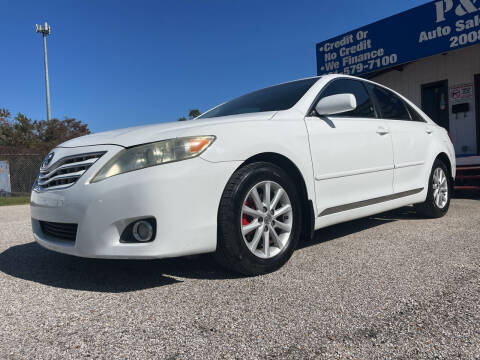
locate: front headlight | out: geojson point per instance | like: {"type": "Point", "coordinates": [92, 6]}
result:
{"type": "Point", "coordinates": [162, 152]}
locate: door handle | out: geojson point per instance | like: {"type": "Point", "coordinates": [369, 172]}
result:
{"type": "Point", "coordinates": [428, 130]}
{"type": "Point", "coordinates": [382, 130]}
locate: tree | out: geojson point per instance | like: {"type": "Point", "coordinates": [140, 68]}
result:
{"type": "Point", "coordinates": [4, 115]}
{"type": "Point", "coordinates": [192, 114]}
{"type": "Point", "coordinates": [60, 130]}
{"type": "Point", "coordinates": [6, 131]}
{"type": "Point", "coordinates": [22, 133]}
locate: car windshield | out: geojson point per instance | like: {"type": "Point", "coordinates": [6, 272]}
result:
{"type": "Point", "coordinates": [274, 98]}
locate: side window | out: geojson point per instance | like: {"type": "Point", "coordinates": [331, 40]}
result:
{"type": "Point", "coordinates": [414, 115]}
{"type": "Point", "coordinates": [391, 106]}
{"type": "Point", "coordinates": [364, 108]}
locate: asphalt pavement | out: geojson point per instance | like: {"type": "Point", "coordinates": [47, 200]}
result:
{"type": "Point", "coordinates": [389, 286]}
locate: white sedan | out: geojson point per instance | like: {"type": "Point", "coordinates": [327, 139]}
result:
{"type": "Point", "coordinates": [247, 179]}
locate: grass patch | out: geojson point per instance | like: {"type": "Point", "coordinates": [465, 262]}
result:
{"type": "Point", "coordinates": [14, 200]}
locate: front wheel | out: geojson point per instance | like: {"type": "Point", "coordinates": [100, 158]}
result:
{"type": "Point", "coordinates": [439, 190]}
{"type": "Point", "coordinates": [259, 220]}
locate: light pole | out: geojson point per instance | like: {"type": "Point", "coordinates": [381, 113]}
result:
{"type": "Point", "coordinates": [45, 30]}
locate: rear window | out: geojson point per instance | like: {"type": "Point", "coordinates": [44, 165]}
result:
{"type": "Point", "coordinates": [414, 115]}
{"type": "Point", "coordinates": [391, 106]}
{"type": "Point", "coordinates": [274, 98]}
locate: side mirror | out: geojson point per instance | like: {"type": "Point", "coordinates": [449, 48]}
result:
{"type": "Point", "coordinates": [336, 104]}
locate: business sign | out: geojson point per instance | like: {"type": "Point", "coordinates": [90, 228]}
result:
{"type": "Point", "coordinates": [433, 28]}
{"type": "Point", "coordinates": [461, 92]}
{"type": "Point", "coordinates": [4, 177]}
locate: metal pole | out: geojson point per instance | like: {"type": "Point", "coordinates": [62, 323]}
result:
{"type": "Point", "coordinates": [45, 30]}
{"type": "Point", "coordinates": [47, 86]}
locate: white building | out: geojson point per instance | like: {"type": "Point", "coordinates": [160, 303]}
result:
{"type": "Point", "coordinates": [430, 54]}
{"type": "Point", "coordinates": [447, 88]}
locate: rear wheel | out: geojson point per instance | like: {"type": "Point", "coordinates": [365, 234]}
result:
{"type": "Point", "coordinates": [439, 190]}
{"type": "Point", "coordinates": [259, 220]}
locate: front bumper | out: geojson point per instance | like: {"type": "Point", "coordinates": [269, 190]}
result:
{"type": "Point", "coordinates": [183, 197]}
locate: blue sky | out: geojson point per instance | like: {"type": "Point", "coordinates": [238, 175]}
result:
{"type": "Point", "coordinates": [121, 63]}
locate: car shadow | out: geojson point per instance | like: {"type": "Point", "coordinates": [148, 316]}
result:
{"type": "Point", "coordinates": [34, 263]}
{"type": "Point", "coordinates": [343, 229]}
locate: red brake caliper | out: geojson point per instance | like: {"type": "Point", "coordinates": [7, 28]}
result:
{"type": "Point", "coordinates": [245, 218]}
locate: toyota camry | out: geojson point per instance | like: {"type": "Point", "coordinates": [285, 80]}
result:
{"type": "Point", "coordinates": [247, 179]}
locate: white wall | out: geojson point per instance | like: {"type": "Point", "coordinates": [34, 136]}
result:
{"type": "Point", "coordinates": [458, 67]}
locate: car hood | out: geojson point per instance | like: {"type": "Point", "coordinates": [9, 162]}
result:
{"type": "Point", "coordinates": [149, 133]}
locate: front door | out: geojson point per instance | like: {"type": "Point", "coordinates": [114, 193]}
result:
{"type": "Point", "coordinates": [352, 153]}
{"type": "Point", "coordinates": [435, 102]}
{"type": "Point", "coordinates": [477, 109]}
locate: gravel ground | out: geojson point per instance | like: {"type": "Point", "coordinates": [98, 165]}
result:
{"type": "Point", "coordinates": [390, 286]}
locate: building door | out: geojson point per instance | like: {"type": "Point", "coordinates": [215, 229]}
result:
{"type": "Point", "coordinates": [477, 109]}
{"type": "Point", "coordinates": [435, 102]}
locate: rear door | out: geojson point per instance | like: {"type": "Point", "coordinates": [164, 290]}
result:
{"type": "Point", "coordinates": [351, 152]}
{"type": "Point", "coordinates": [411, 138]}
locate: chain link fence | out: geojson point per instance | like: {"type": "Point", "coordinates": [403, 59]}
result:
{"type": "Point", "coordinates": [23, 172]}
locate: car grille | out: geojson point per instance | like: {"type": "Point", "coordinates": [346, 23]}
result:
{"type": "Point", "coordinates": [59, 230]}
{"type": "Point", "coordinates": [65, 172]}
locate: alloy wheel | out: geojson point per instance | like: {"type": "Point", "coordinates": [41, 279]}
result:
{"type": "Point", "coordinates": [440, 188]}
{"type": "Point", "coordinates": [266, 219]}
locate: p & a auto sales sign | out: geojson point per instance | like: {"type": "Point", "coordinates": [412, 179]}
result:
{"type": "Point", "coordinates": [433, 28]}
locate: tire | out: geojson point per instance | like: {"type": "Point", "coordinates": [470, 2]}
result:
{"type": "Point", "coordinates": [435, 207]}
{"type": "Point", "coordinates": [251, 252]}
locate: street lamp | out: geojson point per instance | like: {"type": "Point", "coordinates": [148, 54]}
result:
{"type": "Point", "coordinates": [45, 30]}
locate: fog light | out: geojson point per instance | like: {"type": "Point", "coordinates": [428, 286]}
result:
{"type": "Point", "coordinates": [142, 231]}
